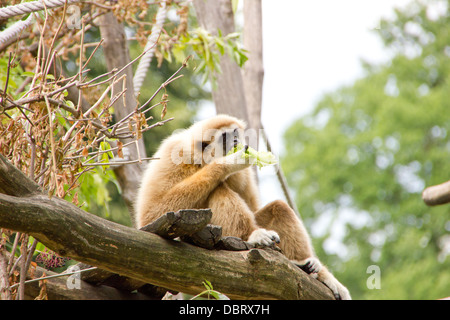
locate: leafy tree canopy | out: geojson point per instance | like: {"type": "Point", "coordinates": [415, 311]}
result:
{"type": "Point", "coordinates": [361, 159]}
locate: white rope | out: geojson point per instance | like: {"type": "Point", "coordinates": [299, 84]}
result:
{"type": "Point", "coordinates": [28, 7]}
{"type": "Point", "coordinates": [146, 59]}
{"type": "Point", "coordinates": [15, 29]}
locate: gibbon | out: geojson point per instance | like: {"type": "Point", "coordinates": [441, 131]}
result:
{"type": "Point", "coordinates": [195, 172]}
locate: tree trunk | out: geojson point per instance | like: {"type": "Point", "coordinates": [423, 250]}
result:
{"type": "Point", "coordinates": [229, 97]}
{"type": "Point", "coordinates": [115, 49]}
{"type": "Point", "coordinates": [253, 71]}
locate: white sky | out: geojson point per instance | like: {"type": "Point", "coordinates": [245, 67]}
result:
{"type": "Point", "coordinates": [312, 47]}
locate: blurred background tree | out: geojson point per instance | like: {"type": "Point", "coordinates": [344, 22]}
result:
{"type": "Point", "coordinates": [359, 162]}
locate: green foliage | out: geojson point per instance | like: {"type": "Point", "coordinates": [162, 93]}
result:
{"type": "Point", "coordinates": [258, 158]}
{"type": "Point", "coordinates": [15, 78]}
{"type": "Point", "coordinates": [361, 159]}
{"type": "Point", "coordinates": [208, 49]}
{"type": "Point", "coordinates": [210, 293]}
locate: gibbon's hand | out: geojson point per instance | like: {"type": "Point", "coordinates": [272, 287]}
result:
{"type": "Point", "coordinates": [310, 265]}
{"type": "Point", "coordinates": [264, 237]}
{"type": "Point", "coordinates": [236, 161]}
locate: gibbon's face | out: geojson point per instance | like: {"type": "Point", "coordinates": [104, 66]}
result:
{"type": "Point", "coordinates": [216, 143]}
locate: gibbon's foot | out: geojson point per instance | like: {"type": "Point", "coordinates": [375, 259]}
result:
{"type": "Point", "coordinates": [339, 291]}
{"type": "Point", "coordinates": [310, 265]}
{"type": "Point", "coordinates": [263, 237]}
{"type": "Point", "coordinates": [315, 268]}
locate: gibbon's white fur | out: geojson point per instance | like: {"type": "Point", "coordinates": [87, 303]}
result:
{"type": "Point", "coordinates": [195, 172]}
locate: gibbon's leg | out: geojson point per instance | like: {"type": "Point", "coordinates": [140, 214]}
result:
{"type": "Point", "coordinates": [278, 216]}
{"type": "Point", "coordinates": [295, 243]}
{"type": "Point", "coordinates": [234, 216]}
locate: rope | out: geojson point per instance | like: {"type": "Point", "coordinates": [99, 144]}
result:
{"type": "Point", "coordinates": [28, 7]}
{"type": "Point", "coordinates": [15, 29]}
{"type": "Point", "coordinates": [146, 59]}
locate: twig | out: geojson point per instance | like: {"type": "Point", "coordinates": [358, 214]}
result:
{"type": "Point", "coordinates": [172, 78]}
{"type": "Point", "coordinates": [13, 252]}
{"type": "Point", "coordinates": [23, 270]}
{"type": "Point", "coordinates": [30, 254]}
{"type": "Point", "coordinates": [55, 276]}
{"type": "Point", "coordinates": [33, 155]}
{"type": "Point", "coordinates": [281, 177]}
{"type": "Point", "coordinates": [118, 162]}
{"type": "Point", "coordinates": [7, 80]}
{"type": "Point", "coordinates": [49, 61]}
{"type": "Point", "coordinates": [14, 266]}
{"type": "Point", "coordinates": [160, 123]}
{"type": "Point", "coordinates": [80, 91]}
{"type": "Point", "coordinates": [52, 144]}
{"type": "Point", "coordinates": [92, 54]}
{"type": "Point", "coordinates": [115, 72]}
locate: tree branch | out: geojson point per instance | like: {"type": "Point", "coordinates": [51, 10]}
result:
{"type": "Point", "coordinates": [435, 195]}
{"type": "Point", "coordinates": [14, 182]}
{"type": "Point", "coordinates": [57, 290]}
{"type": "Point", "coordinates": [147, 257]}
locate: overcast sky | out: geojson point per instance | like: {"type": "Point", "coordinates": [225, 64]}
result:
{"type": "Point", "coordinates": [313, 47]}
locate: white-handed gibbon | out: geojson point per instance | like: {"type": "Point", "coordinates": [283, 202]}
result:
{"type": "Point", "coordinates": [195, 172]}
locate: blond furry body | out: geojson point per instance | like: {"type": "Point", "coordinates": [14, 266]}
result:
{"type": "Point", "coordinates": [191, 175]}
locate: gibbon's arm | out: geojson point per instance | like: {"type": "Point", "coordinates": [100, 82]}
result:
{"type": "Point", "coordinates": [251, 194]}
{"type": "Point", "coordinates": [195, 189]}
{"type": "Point", "coordinates": [244, 183]}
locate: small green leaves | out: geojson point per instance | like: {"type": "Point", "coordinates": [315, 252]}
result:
{"type": "Point", "coordinates": [210, 292]}
{"type": "Point", "coordinates": [262, 158]}
{"type": "Point", "coordinates": [208, 49]}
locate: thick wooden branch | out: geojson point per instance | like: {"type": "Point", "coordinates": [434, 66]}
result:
{"type": "Point", "coordinates": [72, 232]}
{"type": "Point", "coordinates": [435, 195]}
{"type": "Point", "coordinates": [14, 182]}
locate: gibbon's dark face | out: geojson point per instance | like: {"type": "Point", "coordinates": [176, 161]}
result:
{"type": "Point", "coordinates": [219, 144]}
{"type": "Point", "coordinates": [230, 139]}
